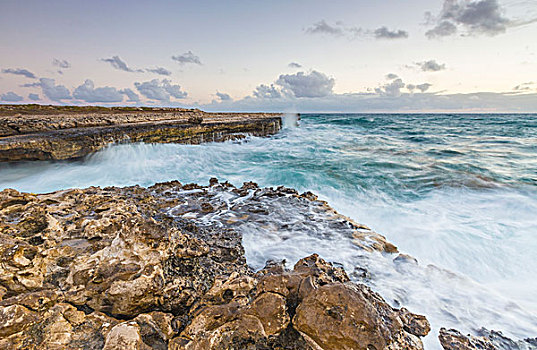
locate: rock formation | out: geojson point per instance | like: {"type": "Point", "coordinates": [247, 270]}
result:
{"type": "Point", "coordinates": [61, 135]}
{"type": "Point", "coordinates": [122, 268]}
{"type": "Point", "coordinates": [452, 339]}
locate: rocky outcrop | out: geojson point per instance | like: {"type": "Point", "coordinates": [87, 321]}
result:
{"type": "Point", "coordinates": [68, 136]}
{"type": "Point", "coordinates": [121, 268]}
{"type": "Point", "coordinates": [451, 339]}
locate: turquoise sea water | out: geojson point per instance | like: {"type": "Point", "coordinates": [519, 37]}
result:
{"type": "Point", "coordinates": [458, 192]}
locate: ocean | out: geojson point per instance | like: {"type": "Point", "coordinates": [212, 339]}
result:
{"type": "Point", "coordinates": [458, 192]}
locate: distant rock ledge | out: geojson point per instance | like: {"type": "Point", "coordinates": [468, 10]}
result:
{"type": "Point", "coordinates": [68, 132]}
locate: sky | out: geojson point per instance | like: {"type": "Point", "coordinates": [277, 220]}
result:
{"type": "Point", "coordinates": [278, 55]}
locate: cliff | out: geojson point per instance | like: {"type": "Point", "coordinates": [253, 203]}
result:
{"type": "Point", "coordinates": [62, 133]}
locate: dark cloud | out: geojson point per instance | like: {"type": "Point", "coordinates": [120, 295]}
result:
{"type": "Point", "coordinates": [423, 87]}
{"type": "Point", "coordinates": [19, 71]}
{"type": "Point", "coordinates": [385, 33]}
{"type": "Point", "coordinates": [88, 93]}
{"type": "Point", "coordinates": [52, 91]}
{"type": "Point", "coordinates": [160, 90]}
{"type": "Point", "coordinates": [34, 97]}
{"type": "Point", "coordinates": [61, 63]}
{"type": "Point", "coordinates": [265, 91]}
{"type": "Point", "coordinates": [391, 76]}
{"type": "Point", "coordinates": [430, 66]}
{"type": "Point", "coordinates": [117, 63]}
{"type": "Point", "coordinates": [160, 71]}
{"type": "Point", "coordinates": [322, 27]}
{"type": "Point", "coordinates": [187, 57]}
{"type": "Point", "coordinates": [11, 97]}
{"type": "Point", "coordinates": [295, 65]}
{"type": "Point", "coordinates": [133, 96]}
{"type": "Point", "coordinates": [475, 17]}
{"type": "Point", "coordinates": [313, 84]}
{"type": "Point", "coordinates": [223, 97]}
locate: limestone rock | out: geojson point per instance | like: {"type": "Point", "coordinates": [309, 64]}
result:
{"type": "Point", "coordinates": [162, 268]}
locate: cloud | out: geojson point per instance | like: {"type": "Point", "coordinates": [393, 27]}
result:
{"type": "Point", "coordinates": [475, 17]}
{"type": "Point", "coordinates": [295, 65]}
{"type": "Point", "coordinates": [444, 28]}
{"type": "Point", "coordinates": [133, 96]}
{"type": "Point", "coordinates": [10, 97]}
{"type": "Point", "coordinates": [160, 90]}
{"type": "Point", "coordinates": [88, 93]}
{"type": "Point", "coordinates": [392, 89]}
{"type": "Point", "coordinates": [430, 66]}
{"type": "Point", "coordinates": [117, 63]}
{"type": "Point", "coordinates": [267, 92]}
{"type": "Point", "coordinates": [372, 102]}
{"type": "Point", "coordinates": [524, 86]}
{"type": "Point", "coordinates": [159, 70]}
{"type": "Point", "coordinates": [385, 33]}
{"type": "Point", "coordinates": [322, 27]}
{"type": "Point", "coordinates": [423, 87]}
{"type": "Point", "coordinates": [313, 84]}
{"type": "Point", "coordinates": [187, 57]}
{"type": "Point", "coordinates": [352, 32]}
{"type": "Point", "coordinates": [19, 71]}
{"type": "Point", "coordinates": [61, 63]}
{"type": "Point", "coordinates": [223, 97]}
{"type": "Point", "coordinates": [51, 90]}
{"type": "Point", "coordinates": [34, 97]}
{"type": "Point", "coordinates": [391, 76]}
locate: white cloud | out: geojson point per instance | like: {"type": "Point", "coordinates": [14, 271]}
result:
{"type": "Point", "coordinates": [313, 84]}
{"type": "Point", "coordinates": [160, 90]}
{"type": "Point", "coordinates": [88, 93]}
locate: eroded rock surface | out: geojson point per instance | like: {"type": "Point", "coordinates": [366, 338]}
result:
{"type": "Point", "coordinates": [159, 268]}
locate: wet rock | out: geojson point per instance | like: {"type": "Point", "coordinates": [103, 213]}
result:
{"type": "Point", "coordinates": [38, 136]}
{"type": "Point", "coordinates": [451, 339]}
{"type": "Point", "coordinates": [311, 307]}
{"type": "Point", "coordinates": [131, 268]}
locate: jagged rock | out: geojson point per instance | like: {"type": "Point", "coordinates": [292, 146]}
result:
{"type": "Point", "coordinates": [136, 268]}
{"type": "Point", "coordinates": [314, 306]}
{"type": "Point", "coordinates": [452, 339]}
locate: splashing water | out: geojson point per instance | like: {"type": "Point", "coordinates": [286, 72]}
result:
{"type": "Point", "coordinates": [458, 192]}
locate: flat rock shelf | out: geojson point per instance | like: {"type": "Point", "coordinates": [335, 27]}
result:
{"type": "Point", "coordinates": [69, 133]}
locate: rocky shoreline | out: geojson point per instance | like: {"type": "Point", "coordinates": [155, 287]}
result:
{"type": "Point", "coordinates": [141, 268]}
{"type": "Point", "coordinates": [55, 134]}
{"type": "Point", "coordinates": [164, 267]}
{"type": "Point", "coordinates": [112, 268]}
